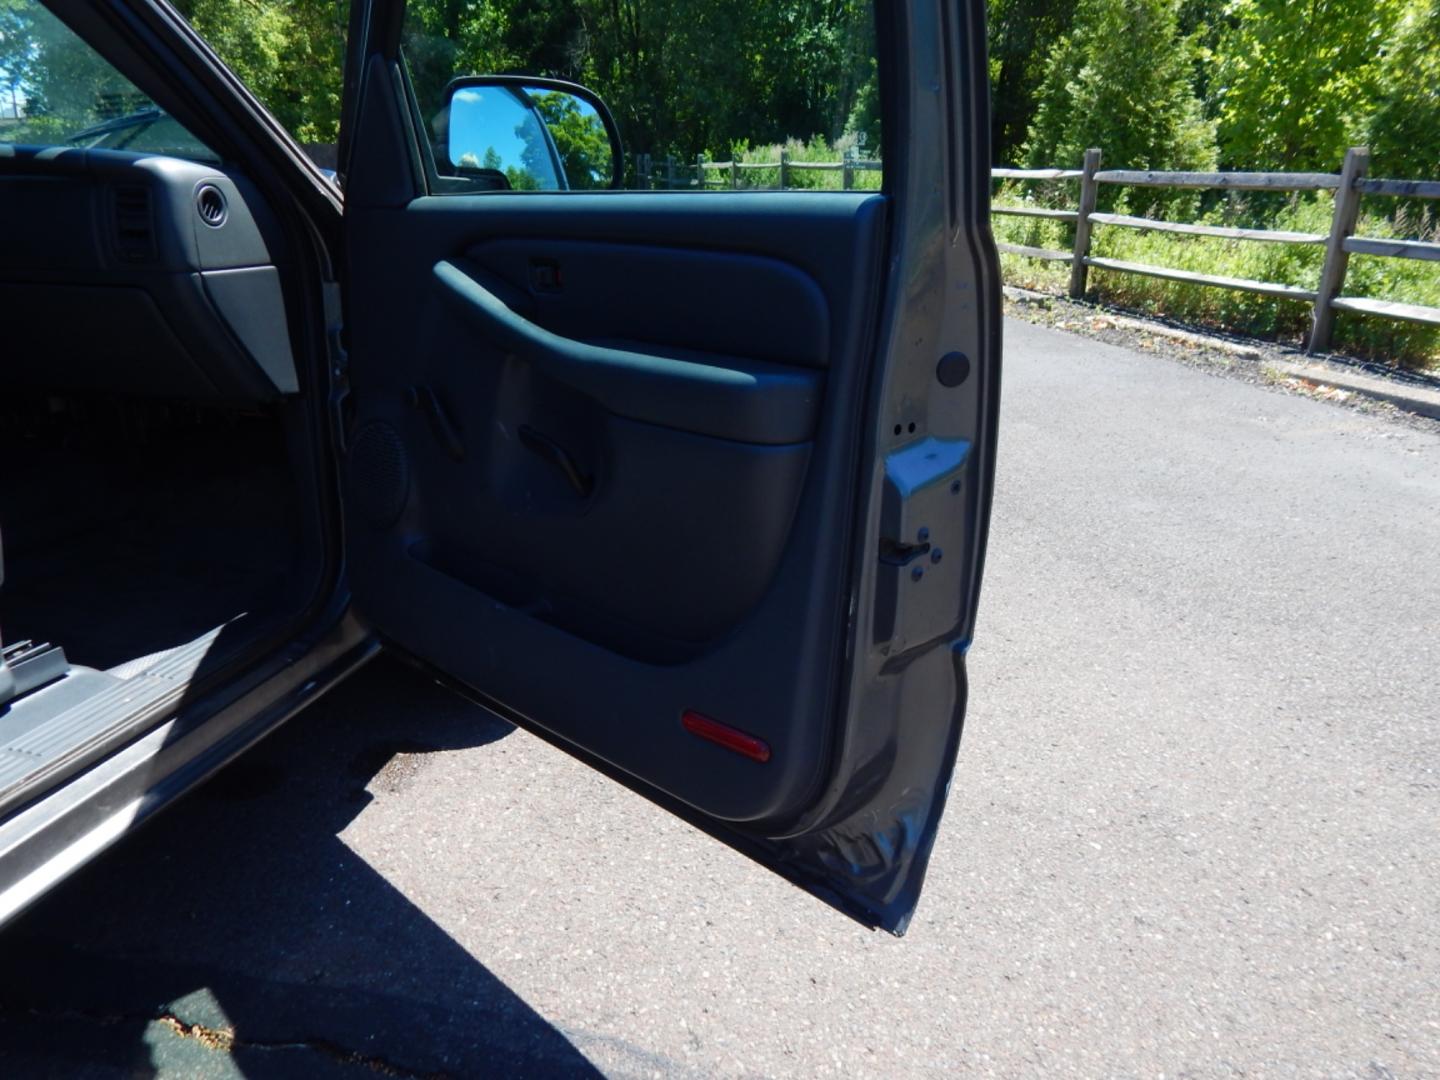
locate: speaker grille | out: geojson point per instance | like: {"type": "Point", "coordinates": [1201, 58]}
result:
{"type": "Point", "coordinates": [379, 473]}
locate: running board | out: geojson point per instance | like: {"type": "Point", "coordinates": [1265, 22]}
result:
{"type": "Point", "coordinates": [77, 717]}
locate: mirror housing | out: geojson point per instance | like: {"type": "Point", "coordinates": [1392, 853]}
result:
{"type": "Point", "coordinates": [527, 133]}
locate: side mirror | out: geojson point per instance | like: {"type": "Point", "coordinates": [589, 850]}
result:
{"type": "Point", "coordinates": [525, 133]}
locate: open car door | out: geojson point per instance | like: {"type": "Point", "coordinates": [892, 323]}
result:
{"type": "Point", "coordinates": [695, 485]}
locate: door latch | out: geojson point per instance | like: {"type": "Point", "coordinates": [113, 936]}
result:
{"type": "Point", "coordinates": [899, 553]}
{"type": "Point", "coordinates": [916, 594]}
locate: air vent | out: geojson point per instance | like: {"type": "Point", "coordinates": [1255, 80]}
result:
{"type": "Point", "coordinates": [134, 229]}
{"type": "Point", "coordinates": [210, 202]}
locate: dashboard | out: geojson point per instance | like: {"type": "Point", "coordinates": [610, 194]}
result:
{"type": "Point", "coordinates": [139, 274]}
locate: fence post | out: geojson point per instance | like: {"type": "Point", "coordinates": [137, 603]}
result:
{"type": "Point", "coordinates": [1337, 259]}
{"type": "Point", "coordinates": [784, 169]}
{"type": "Point", "coordinates": [847, 170]}
{"type": "Point", "coordinates": [643, 179]}
{"type": "Point", "coordinates": [1089, 189]}
{"type": "Point", "coordinates": [669, 172]}
{"type": "Point", "coordinates": [700, 171]}
{"type": "Point", "coordinates": [734, 173]}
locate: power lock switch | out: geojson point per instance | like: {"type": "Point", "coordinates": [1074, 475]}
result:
{"type": "Point", "coordinates": [545, 275]}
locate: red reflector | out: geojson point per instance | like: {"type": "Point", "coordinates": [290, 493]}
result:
{"type": "Point", "coordinates": [726, 736]}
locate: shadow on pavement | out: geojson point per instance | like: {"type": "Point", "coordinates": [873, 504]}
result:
{"type": "Point", "coordinates": [241, 910]}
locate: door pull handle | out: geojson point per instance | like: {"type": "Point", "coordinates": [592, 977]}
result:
{"type": "Point", "coordinates": [547, 448]}
{"type": "Point", "coordinates": [424, 399]}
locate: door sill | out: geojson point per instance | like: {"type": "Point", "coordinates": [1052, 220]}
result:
{"type": "Point", "coordinates": [55, 731]}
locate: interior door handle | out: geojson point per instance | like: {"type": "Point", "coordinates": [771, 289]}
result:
{"type": "Point", "coordinates": [424, 399]}
{"type": "Point", "coordinates": [547, 448]}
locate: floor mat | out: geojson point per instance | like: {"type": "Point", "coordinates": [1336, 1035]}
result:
{"type": "Point", "coordinates": [114, 563]}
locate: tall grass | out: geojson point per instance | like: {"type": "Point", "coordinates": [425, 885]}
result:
{"type": "Point", "coordinates": [817, 150]}
{"type": "Point", "coordinates": [1404, 280]}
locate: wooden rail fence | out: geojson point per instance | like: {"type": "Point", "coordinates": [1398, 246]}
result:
{"type": "Point", "coordinates": [670, 173]}
{"type": "Point", "coordinates": [1340, 243]}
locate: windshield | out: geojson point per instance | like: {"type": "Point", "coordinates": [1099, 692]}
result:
{"type": "Point", "coordinates": [57, 91]}
{"type": "Point", "coordinates": [147, 131]}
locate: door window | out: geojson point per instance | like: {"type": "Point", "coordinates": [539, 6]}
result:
{"type": "Point", "coordinates": [711, 96]}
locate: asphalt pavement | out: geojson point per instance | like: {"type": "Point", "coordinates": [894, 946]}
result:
{"type": "Point", "coordinates": [1194, 831]}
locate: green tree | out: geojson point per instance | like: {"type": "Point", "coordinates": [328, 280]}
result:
{"type": "Point", "coordinates": [1022, 34]}
{"type": "Point", "coordinates": [1293, 83]}
{"type": "Point", "coordinates": [864, 122]}
{"type": "Point", "coordinates": [16, 53]}
{"type": "Point", "coordinates": [445, 38]}
{"type": "Point", "coordinates": [580, 138]}
{"type": "Point", "coordinates": [65, 84]}
{"type": "Point", "coordinates": [1202, 22]}
{"type": "Point", "coordinates": [689, 75]}
{"type": "Point", "coordinates": [290, 53]}
{"type": "Point", "coordinates": [1121, 80]}
{"type": "Point", "coordinates": [1404, 129]}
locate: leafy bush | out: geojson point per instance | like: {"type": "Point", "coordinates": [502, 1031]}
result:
{"type": "Point", "coordinates": [1135, 100]}
{"type": "Point", "coordinates": [1292, 82]}
{"type": "Point", "coordinates": [1404, 132]}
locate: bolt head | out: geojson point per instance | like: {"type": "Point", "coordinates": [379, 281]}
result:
{"type": "Point", "coordinates": [916, 573]}
{"type": "Point", "coordinates": [923, 534]}
{"type": "Point", "coordinates": [936, 555]}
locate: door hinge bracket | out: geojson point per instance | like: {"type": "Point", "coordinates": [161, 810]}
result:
{"type": "Point", "coordinates": [338, 363]}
